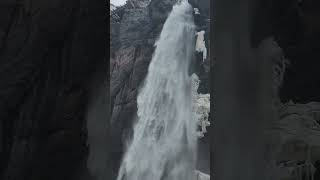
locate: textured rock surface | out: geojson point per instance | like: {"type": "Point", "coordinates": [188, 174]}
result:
{"type": "Point", "coordinates": [297, 129]}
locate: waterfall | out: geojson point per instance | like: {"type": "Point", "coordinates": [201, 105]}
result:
{"type": "Point", "coordinates": [164, 141]}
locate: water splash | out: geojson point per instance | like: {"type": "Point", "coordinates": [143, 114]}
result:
{"type": "Point", "coordinates": [164, 141]}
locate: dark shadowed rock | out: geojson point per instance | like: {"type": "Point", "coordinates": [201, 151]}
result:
{"type": "Point", "coordinates": [49, 53]}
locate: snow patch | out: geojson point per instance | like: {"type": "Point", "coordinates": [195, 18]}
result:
{"type": "Point", "coordinates": [202, 176]}
{"type": "Point", "coordinates": [201, 45]}
{"type": "Point", "coordinates": [196, 11]}
{"type": "Point", "coordinates": [112, 7]}
{"type": "Point", "coordinates": [201, 106]}
{"type": "Point", "coordinates": [118, 2]}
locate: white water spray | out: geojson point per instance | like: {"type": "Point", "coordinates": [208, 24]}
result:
{"type": "Point", "coordinates": [164, 141]}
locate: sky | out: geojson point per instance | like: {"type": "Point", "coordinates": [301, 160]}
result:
{"type": "Point", "coordinates": [117, 2]}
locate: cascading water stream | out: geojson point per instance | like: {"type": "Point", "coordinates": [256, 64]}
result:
{"type": "Point", "coordinates": [164, 143]}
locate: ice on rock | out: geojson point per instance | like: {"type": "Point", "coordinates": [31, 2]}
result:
{"type": "Point", "coordinates": [201, 45]}
{"type": "Point", "coordinates": [201, 106]}
{"type": "Point", "coordinates": [196, 11]}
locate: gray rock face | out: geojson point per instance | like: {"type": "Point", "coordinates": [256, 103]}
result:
{"type": "Point", "coordinates": [133, 45]}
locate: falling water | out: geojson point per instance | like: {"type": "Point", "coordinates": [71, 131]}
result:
{"type": "Point", "coordinates": [164, 141]}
